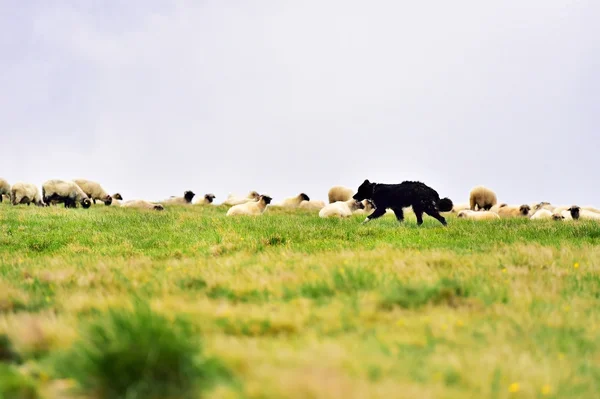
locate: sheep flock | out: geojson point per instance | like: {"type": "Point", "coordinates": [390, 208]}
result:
{"type": "Point", "coordinates": [483, 202]}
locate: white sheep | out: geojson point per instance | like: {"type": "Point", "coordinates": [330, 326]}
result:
{"type": "Point", "coordinates": [185, 200]}
{"type": "Point", "coordinates": [254, 208]}
{"type": "Point", "coordinates": [482, 197]}
{"type": "Point", "coordinates": [293, 202]}
{"type": "Point", "coordinates": [579, 213]}
{"type": "Point", "coordinates": [497, 207]}
{"type": "Point", "coordinates": [590, 209]}
{"type": "Point", "coordinates": [56, 191]}
{"type": "Point", "coordinates": [460, 207]}
{"type": "Point", "coordinates": [206, 200]}
{"type": "Point", "coordinates": [142, 204]}
{"type": "Point", "coordinates": [367, 209]}
{"type": "Point", "coordinates": [475, 215]}
{"type": "Point", "coordinates": [25, 193]}
{"type": "Point", "coordinates": [94, 191]}
{"type": "Point", "coordinates": [542, 205]}
{"type": "Point", "coordinates": [541, 214]}
{"type": "Point", "coordinates": [4, 188]}
{"type": "Point", "coordinates": [514, 211]}
{"type": "Point", "coordinates": [312, 205]}
{"type": "Point", "coordinates": [233, 199]}
{"type": "Point", "coordinates": [339, 193]}
{"type": "Point", "coordinates": [341, 208]}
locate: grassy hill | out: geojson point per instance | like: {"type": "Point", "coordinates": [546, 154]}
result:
{"type": "Point", "coordinates": [111, 302]}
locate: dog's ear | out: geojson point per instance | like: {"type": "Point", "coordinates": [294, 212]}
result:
{"type": "Point", "coordinates": [366, 182]}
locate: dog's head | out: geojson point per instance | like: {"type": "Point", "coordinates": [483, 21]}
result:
{"type": "Point", "coordinates": [365, 191]}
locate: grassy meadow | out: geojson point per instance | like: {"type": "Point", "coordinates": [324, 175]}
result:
{"type": "Point", "coordinates": [186, 303]}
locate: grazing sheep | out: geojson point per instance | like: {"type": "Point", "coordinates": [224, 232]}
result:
{"type": "Point", "coordinates": [482, 197]}
{"type": "Point", "coordinates": [142, 204]}
{"type": "Point", "coordinates": [237, 200]}
{"type": "Point", "coordinates": [185, 200]}
{"type": "Point", "coordinates": [367, 209]}
{"type": "Point", "coordinates": [541, 214]}
{"type": "Point", "coordinates": [474, 215]}
{"type": "Point", "coordinates": [312, 205]}
{"type": "Point", "coordinates": [25, 193]}
{"type": "Point", "coordinates": [420, 196]}
{"type": "Point", "coordinates": [56, 191]}
{"type": "Point", "coordinates": [206, 200]}
{"type": "Point", "coordinates": [293, 202]}
{"type": "Point", "coordinates": [578, 213]}
{"type": "Point", "coordinates": [4, 188]}
{"type": "Point", "coordinates": [514, 211]}
{"type": "Point", "coordinates": [339, 193]}
{"type": "Point", "coordinates": [255, 208]}
{"type": "Point", "coordinates": [341, 209]}
{"type": "Point", "coordinates": [94, 191]}
{"type": "Point", "coordinates": [460, 207]}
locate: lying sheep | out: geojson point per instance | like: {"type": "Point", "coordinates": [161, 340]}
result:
{"type": "Point", "coordinates": [254, 208]}
{"type": "Point", "coordinates": [339, 193]}
{"type": "Point", "coordinates": [57, 191]}
{"type": "Point", "coordinates": [583, 214]}
{"type": "Point", "coordinates": [474, 215]}
{"type": "Point", "coordinates": [541, 214]}
{"type": "Point", "coordinates": [185, 200]}
{"type": "Point", "coordinates": [237, 200]}
{"type": "Point", "coordinates": [94, 191]}
{"type": "Point", "coordinates": [4, 188]}
{"type": "Point", "coordinates": [142, 204]}
{"type": "Point", "coordinates": [514, 211]}
{"type": "Point", "coordinates": [497, 207]}
{"type": "Point", "coordinates": [367, 209]}
{"type": "Point", "coordinates": [312, 205]}
{"type": "Point", "coordinates": [562, 215]}
{"type": "Point", "coordinates": [591, 209]}
{"type": "Point", "coordinates": [294, 202]}
{"type": "Point", "coordinates": [460, 207]}
{"type": "Point", "coordinates": [341, 209]}
{"type": "Point", "coordinates": [206, 200]}
{"type": "Point", "coordinates": [25, 193]}
{"type": "Point", "coordinates": [482, 197]}
{"type": "Point", "coordinates": [542, 205]}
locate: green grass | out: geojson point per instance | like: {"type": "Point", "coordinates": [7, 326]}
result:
{"type": "Point", "coordinates": [111, 302]}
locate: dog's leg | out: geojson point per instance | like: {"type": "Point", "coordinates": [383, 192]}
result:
{"type": "Point", "coordinates": [377, 213]}
{"type": "Point", "coordinates": [399, 214]}
{"type": "Point", "coordinates": [435, 214]}
{"type": "Point", "coordinates": [419, 214]}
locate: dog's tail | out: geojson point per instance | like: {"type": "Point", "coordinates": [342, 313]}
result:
{"type": "Point", "coordinates": [445, 205]}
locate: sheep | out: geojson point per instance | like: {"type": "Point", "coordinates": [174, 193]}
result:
{"type": "Point", "coordinates": [142, 204]}
{"type": "Point", "coordinates": [583, 214]}
{"type": "Point", "coordinates": [482, 197]}
{"type": "Point", "coordinates": [497, 207]}
{"type": "Point", "coordinates": [94, 191]}
{"type": "Point", "coordinates": [341, 208]}
{"type": "Point", "coordinates": [237, 200]}
{"type": "Point", "coordinates": [4, 188]}
{"type": "Point", "coordinates": [590, 209]}
{"type": "Point", "coordinates": [56, 191]}
{"type": "Point", "coordinates": [206, 200]}
{"type": "Point", "coordinates": [255, 208]}
{"type": "Point", "coordinates": [368, 208]}
{"type": "Point", "coordinates": [185, 200]}
{"type": "Point", "coordinates": [339, 193]}
{"type": "Point", "coordinates": [460, 207]}
{"type": "Point", "coordinates": [542, 205]}
{"type": "Point", "coordinates": [561, 215]}
{"type": "Point", "coordinates": [293, 202]}
{"type": "Point", "coordinates": [25, 193]}
{"type": "Point", "coordinates": [312, 205]}
{"type": "Point", "coordinates": [474, 215]}
{"type": "Point", "coordinates": [514, 210]}
{"type": "Point", "coordinates": [541, 214]}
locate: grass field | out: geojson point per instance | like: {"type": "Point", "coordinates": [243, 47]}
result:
{"type": "Point", "coordinates": [110, 302]}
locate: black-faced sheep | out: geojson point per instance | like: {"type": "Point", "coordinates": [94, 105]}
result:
{"type": "Point", "coordinates": [254, 208]}
{"type": "Point", "coordinates": [56, 191]}
{"type": "Point", "coordinates": [142, 204]}
{"type": "Point", "coordinates": [293, 202]}
{"type": "Point", "coordinates": [25, 193]}
{"type": "Point", "coordinates": [4, 188]}
{"type": "Point", "coordinates": [583, 214]}
{"type": "Point", "coordinates": [207, 199]}
{"type": "Point", "coordinates": [233, 199]}
{"type": "Point", "coordinates": [474, 215]}
{"type": "Point", "coordinates": [482, 197]}
{"type": "Point", "coordinates": [312, 205]}
{"type": "Point", "coordinates": [514, 211]}
{"type": "Point", "coordinates": [339, 193]}
{"type": "Point", "coordinates": [185, 200]}
{"type": "Point", "coordinates": [421, 197]}
{"type": "Point", "coordinates": [342, 209]}
{"type": "Point", "coordinates": [94, 191]}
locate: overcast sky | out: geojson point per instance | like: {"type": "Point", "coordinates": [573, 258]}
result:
{"type": "Point", "coordinates": [151, 98]}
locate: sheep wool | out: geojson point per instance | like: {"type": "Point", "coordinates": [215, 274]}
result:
{"type": "Point", "coordinates": [142, 204]}
{"type": "Point", "coordinates": [514, 211]}
{"type": "Point", "coordinates": [482, 197]}
{"type": "Point", "coordinates": [474, 215]}
{"type": "Point", "coordinates": [460, 207]}
{"type": "Point", "coordinates": [233, 199]}
{"type": "Point", "coordinates": [185, 200]}
{"type": "Point", "coordinates": [56, 191]}
{"type": "Point", "coordinates": [339, 193]}
{"type": "Point", "coordinates": [312, 205]}
{"type": "Point", "coordinates": [94, 191]}
{"type": "Point", "coordinates": [4, 188]}
{"type": "Point", "coordinates": [294, 202]}
{"type": "Point", "coordinates": [579, 213]}
{"type": "Point", "coordinates": [25, 193]}
{"type": "Point", "coordinates": [541, 213]}
{"type": "Point", "coordinates": [255, 208]}
{"type": "Point", "coordinates": [341, 209]}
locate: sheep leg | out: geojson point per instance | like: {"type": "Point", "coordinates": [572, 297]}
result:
{"type": "Point", "coordinates": [377, 213]}
{"type": "Point", "coordinates": [399, 214]}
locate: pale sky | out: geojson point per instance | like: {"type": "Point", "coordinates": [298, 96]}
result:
{"type": "Point", "coordinates": [151, 98]}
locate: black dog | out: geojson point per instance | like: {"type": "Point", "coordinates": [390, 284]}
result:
{"type": "Point", "coordinates": [421, 197]}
